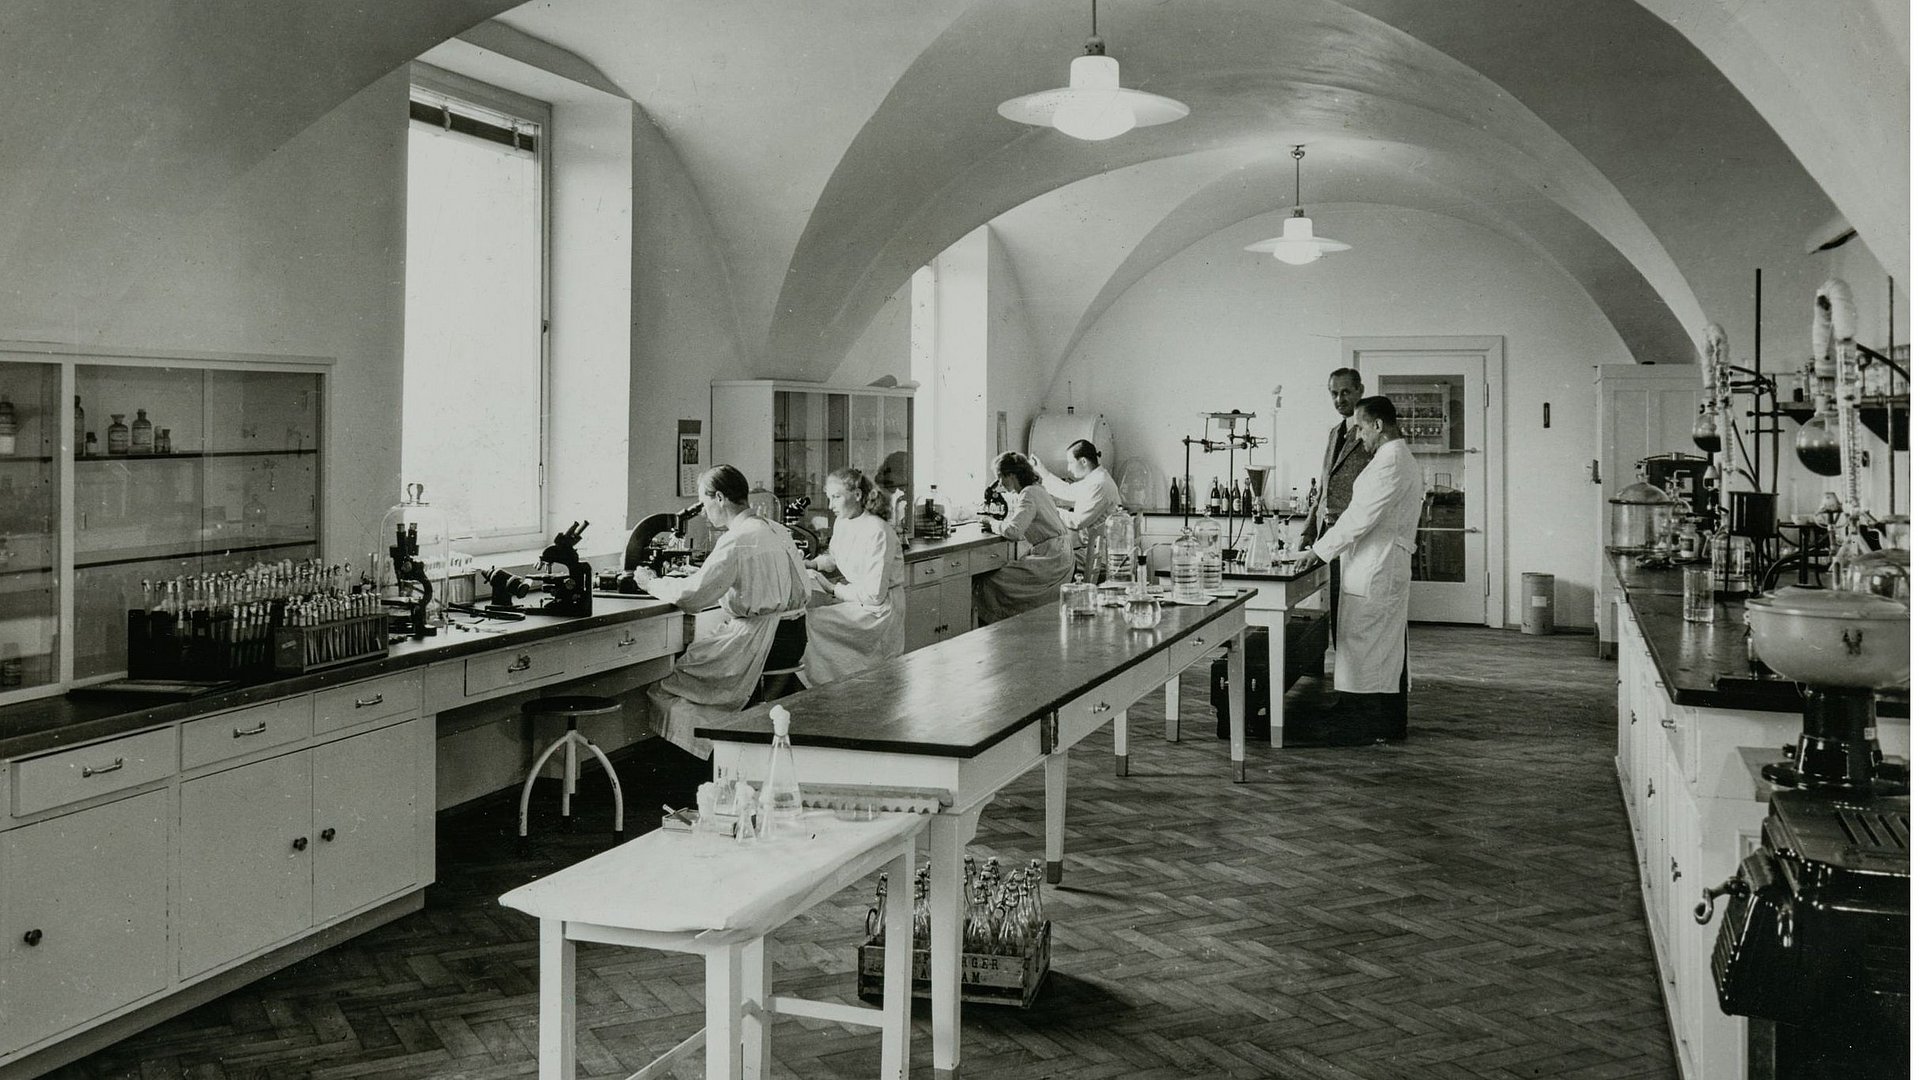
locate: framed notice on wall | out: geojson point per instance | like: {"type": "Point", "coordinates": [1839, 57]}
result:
{"type": "Point", "coordinates": [690, 452]}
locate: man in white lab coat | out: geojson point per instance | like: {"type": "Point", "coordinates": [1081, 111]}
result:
{"type": "Point", "coordinates": [1085, 502]}
{"type": "Point", "coordinates": [1374, 539]}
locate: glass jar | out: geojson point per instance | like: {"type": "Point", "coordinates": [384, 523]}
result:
{"type": "Point", "coordinates": [1077, 598]}
{"type": "Point", "coordinates": [142, 432]}
{"type": "Point", "coordinates": [413, 551]}
{"type": "Point", "coordinates": [1733, 564]}
{"type": "Point", "coordinates": [1142, 611]}
{"type": "Point", "coordinates": [1186, 570]}
{"type": "Point", "coordinates": [163, 441]}
{"type": "Point", "coordinates": [1641, 516]}
{"type": "Point", "coordinates": [1120, 542]}
{"type": "Point", "coordinates": [1212, 558]}
{"type": "Point", "coordinates": [8, 426]}
{"type": "Point", "coordinates": [117, 434]}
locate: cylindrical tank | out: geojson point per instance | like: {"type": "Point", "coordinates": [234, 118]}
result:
{"type": "Point", "coordinates": [1050, 433]}
{"type": "Point", "coordinates": [1536, 614]}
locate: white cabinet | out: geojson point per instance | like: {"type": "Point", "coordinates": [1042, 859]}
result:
{"type": "Point", "coordinates": [83, 916]}
{"type": "Point", "coordinates": [940, 592]}
{"type": "Point", "coordinates": [367, 819]}
{"type": "Point", "coordinates": [786, 437]}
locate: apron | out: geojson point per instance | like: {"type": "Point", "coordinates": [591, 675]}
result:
{"type": "Point", "coordinates": [844, 635]}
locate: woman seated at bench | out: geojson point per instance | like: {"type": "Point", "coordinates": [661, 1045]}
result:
{"type": "Point", "coordinates": [857, 615]}
{"type": "Point", "coordinates": [1043, 556]}
{"type": "Point", "coordinates": [754, 574]}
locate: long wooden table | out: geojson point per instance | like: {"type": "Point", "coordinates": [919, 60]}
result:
{"type": "Point", "coordinates": [965, 717]}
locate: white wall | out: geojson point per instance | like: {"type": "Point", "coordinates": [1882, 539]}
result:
{"type": "Point", "coordinates": [883, 348]}
{"type": "Point", "coordinates": [1215, 328]}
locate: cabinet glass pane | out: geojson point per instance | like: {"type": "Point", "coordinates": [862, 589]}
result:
{"type": "Point", "coordinates": [1432, 410]}
{"type": "Point", "coordinates": [217, 470]}
{"type": "Point", "coordinates": [31, 419]}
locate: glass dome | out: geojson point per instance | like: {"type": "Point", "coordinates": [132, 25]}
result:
{"type": "Point", "coordinates": [1641, 516]}
{"type": "Point", "coordinates": [414, 551]}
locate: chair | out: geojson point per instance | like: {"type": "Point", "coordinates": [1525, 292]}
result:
{"type": "Point", "coordinates": [783, 665]}
{"type": "Point", "coordinates": [573, 707]}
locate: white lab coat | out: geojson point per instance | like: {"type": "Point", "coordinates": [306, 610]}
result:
{"type": "Point", "coordinates": [1374, 538]}
{"type": "Point", "coordinates": [857, 623]}
{"type": "Point", "coordinates": [1043, 558]}
{"type": "Point", "coordinates": [755, 575]}
{"type": "Point", "coordinates": [1094, 498]}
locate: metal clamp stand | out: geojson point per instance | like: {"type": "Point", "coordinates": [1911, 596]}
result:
{"type": "Point", "coordinates": [1235, 440]}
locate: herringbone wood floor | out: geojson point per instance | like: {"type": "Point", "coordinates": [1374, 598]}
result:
{"type": "Point", "coordinates": [1463, 905]}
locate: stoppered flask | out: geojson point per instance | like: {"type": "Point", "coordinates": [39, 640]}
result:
{"type": "Point", "coordinates": [117, 435]}
{"type": "Point", "coordinates": [781, 792]}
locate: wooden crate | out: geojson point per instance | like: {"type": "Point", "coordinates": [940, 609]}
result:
{"type": "Point", "coordinates": [984, 977]}
{"type": "Point", "coordinates": [310, 648]}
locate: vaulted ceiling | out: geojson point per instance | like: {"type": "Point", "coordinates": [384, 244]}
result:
{"type": "Point", "coordinates": [1654, 150]}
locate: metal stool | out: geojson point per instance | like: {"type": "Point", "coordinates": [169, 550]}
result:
{"type": "Point", "coordinates": [784, 661]}
{"type": "Point", "coordinates": [573, 707]}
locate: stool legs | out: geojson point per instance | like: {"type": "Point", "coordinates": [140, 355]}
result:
{"type": "Point", "coordinates": [571, 742]}
{"type": "Point", "coordinates": [1173, 709]}
{"type": "Point", "coordinates": [556, 1001]}
{"type": "Point", "coordinates": [619, 807]}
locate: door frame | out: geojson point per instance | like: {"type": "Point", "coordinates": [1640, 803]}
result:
{"type": "Point", "coordinates": [1492, 349]}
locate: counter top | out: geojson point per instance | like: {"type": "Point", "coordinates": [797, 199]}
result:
{"type": "Point", "coordinates": [963, 695]}
{"type": "Point", "coordinates": [1290, 572]}
{"type": "Point", "coordinates": [54, 722]}
{"type": "Point", "coordinates": [965, 538]}
{"type": "Point", "coordinates": [1705, 664]}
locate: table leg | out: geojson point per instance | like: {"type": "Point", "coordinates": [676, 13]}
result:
{"type": "Point", "coordinates": [1277, 682]}
{"type": "Point", "coordinates": [556, 1001]}
{"type": "Point", "coordinates": [1054, 766]}
{"type": "Point", "coordinates": [1173, 708]}
{"type": "Point", "coordinates": [1237, 705]}
{"type": "Point", "coordinates": [896, 1031]}
{"type": "Point", "coordinates": [950, 833]}
{"type": "Point", "coordinates": [1120, 743]}
{"type": "Point", "coordinates": [723, 1012]}
{"type": "Point", "coordinates": [756, 1028]}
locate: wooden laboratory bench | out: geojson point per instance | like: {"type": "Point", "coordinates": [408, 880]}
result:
{"type": "Point", "coordinates": [940, 577]}
{"type": "Point", "coordinates": [154, 855]}
{"type": "Point", "coordinates": [958, 720]}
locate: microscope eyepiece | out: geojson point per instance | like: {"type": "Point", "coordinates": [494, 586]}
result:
{"type": "Point", "coordinates": [688, 514]}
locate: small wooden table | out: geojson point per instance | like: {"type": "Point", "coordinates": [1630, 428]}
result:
{"type": "Point", "coordinates": [706, 894]}
{"type": "Point", "coordinates": [963, 718]}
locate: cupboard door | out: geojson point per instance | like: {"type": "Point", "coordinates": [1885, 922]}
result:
{"type": "Point", "coordinates": [956, 604]}
{"type": "Point", "coordinates": [923, 616]}
{"type": "Point", "coordinates": [83, 916]}
{"type": "Point", "coordinates": [246, 870]}
{"type": "Point", "coordinates": [366, 819]}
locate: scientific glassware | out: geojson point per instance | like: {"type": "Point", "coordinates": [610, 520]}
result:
{"type": "Point", "coordinates": [117, 435]}
{"type": "Point", "coordinates": [781, 812]}
{"type": "Point", "coordinates": [1186, 570]}
{"type": "Point", "coordinates": [1207, 531]}
{"type": "Point", "coordinates": [1697, 594]}
{"type": "Point", "coordinates": [142, 433]}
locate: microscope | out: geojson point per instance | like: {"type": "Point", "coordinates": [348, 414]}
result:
{"type": "Point", "coordinates": [410, 573]}
{"type": "Point", "coordinates": [569, 590]}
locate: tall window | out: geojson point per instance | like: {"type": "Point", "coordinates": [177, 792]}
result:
{"type": "Point", "coordinates": [474, 384]}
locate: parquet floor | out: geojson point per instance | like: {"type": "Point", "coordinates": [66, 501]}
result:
{"type": "Point", "coordinates": [1462, 905]}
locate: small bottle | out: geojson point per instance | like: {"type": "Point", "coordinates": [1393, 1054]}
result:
{"type": "Point", "coordinates": [92, 446]}
{"type": "Point", "coordinates": [163, 441]}
{"type": "Point", "coordinates": [781, 792]}
{"type": "Point", "coordinates": [1173, 496]}
{"type": "Point", "coordinates": [8, 426]}
{"type": "Point", "coordinates": [117, 435]}
{"type": "Point", "coordinates": [142, 442]}
{"type": "Point", "coordinates": [79, 425]}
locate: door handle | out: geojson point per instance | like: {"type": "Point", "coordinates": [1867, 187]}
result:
{"type": "Point", "coordinates": [1593, 470]}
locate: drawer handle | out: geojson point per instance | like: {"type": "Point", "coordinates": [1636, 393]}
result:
{"type": "Point", "coordinates": [1649, 789]}
{"type": "Point", "coordinates": [363, 703]}
{"type": "Point", "coordinates": [1676, 868]}
{"type": "Point", "coordinates": [32, 937]}
{"type": "Point", "coordinates": [241, 733]}
{"type": "Point", "coordinates": [1667, 722]}
{"type": "Point", "coordinates": [626, 641]}
{"type": "Point", "coordinates": [1101, 707]}
{"type": "Point", "coordinates": [299, 843]}
{"type": "Point", "coordinates": [95, 770]}
{"type": "Point", "coordinates": [327, 834]}
{"type": "Point", "coordinates": [522, 663]}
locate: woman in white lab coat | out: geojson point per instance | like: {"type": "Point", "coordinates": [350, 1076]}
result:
{"type": "Point", "coordinates": [1085, 502]}
{"type": "Point", "coordinates": [755, 575]}
{"type": "Point", "coordinates": [1374, 538]}
{"type": "Point", "coordinates": [857, 615]}
{"type": "Point", "coordinates": [1043, 557]}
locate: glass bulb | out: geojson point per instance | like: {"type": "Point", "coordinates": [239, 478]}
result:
{"type": "Point", "coordinates": [1294, 253]}
{"type": "Point", "coordinates": [1094, 115]}
{"type": "Point", "coordinates": [1817, 448]}
{"type": "Point", "coordinates": [1706, 431]}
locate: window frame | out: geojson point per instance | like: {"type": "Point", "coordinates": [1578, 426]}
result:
{"type": "Point", "coordinates": [441, 83]}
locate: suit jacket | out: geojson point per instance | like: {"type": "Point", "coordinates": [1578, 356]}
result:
{"type": "Point", "coordinates": [1337, 474]}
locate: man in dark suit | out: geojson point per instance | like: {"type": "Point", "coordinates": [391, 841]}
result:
{"type": "Point", "coordinates": [1346, 456]}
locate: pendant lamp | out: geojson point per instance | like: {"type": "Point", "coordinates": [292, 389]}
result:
{"type": "Point", "coordinates": [1296, 245]}
{"type": "Point", "coordinates": [1093, 106]}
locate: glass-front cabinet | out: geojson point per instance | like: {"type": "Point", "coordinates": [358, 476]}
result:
{"type": "Point", "coordinates": [129, 471]}
{"type": "Point", "coordinates": [788, 437]}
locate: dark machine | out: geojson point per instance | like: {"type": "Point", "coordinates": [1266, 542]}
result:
{"type": "Point", "coordinates": [410, 571]}
{"type": "Point", "coordinates": [659, 543]}
{"type": "Point", "coordinates": [993, 504]}
{"type": "Point", "coordinates": [569, 590]}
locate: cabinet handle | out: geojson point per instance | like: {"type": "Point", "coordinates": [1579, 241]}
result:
{"type": "Point", "coordinates": [95, 770]}
{"type": "Point", "coordinates": [1667, 722]}
{"type": "Point", "coordinates": [1676, 868]}
{"type": "Point", "coordinates": [626, 641]}
{"type": "Point", "coordinates": [1101, 707]}
{"type": "Point", "coordinates": [299, 843]}
{"type": "Point", "coordinates": [520, 663]}
{"type": "Point", "coordinates": [327, 834]}
{"type": "Point", "coordinates": [32, 937]}
{"type": "Point", "coordinates": [1649, 789]}
{"type": "Point", "coordinates": [241, 733]}
{"type": "Point", "coordinates": [363, 703]}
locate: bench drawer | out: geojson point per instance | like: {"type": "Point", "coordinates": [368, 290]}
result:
{"type": "Point", "coordinates": [515, 667]}
{"type": "Point", "coordinates": [71, 775]}
{"type": "Point", "coordinates": [1201, 642]}
{"type": "Point", "coordinates": [925, 571]}
{"type": "Point", "coordinates": [987, 559]}
{"type": "Point", "coordinates": [617, 646]}
{"type": "Point", "coordinates": [232, 734]}
{"type": "Point", "coordinates": [370, 699]}
{"type": "Point", "coordinates": [1097, 707]}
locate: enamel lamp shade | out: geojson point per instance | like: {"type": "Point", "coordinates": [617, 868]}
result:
{"type": "Point", "coordinates": [1296, 245]}
{"type": "Point", "coordinates": [1093, 105]}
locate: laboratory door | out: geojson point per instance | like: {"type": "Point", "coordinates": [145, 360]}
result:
{"type": "Point", "coordinates": [1440, 390]}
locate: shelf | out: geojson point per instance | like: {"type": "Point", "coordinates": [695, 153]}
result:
{"type": "Point", "coordinates": [196, 455]}
{"type": "Point", "coordinates": [163, 552]}
{"type": "Point", "coordinates": [28, 459]}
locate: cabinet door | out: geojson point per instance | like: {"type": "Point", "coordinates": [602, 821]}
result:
{"type": "Point", "coordinates": [246, 869]}
{"type": "Point", "coordinates": [956, 604]}
{"type": "Point", "coordinates": [923, 616]}
{"type": "Point", "coordinates": [366, 819]}
{"type": "Point", "coordinates": [83, 916]}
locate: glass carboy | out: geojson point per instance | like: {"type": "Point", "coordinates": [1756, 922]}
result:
{"type": "Point", "coordinates": [1186, 570]}
{"type": "Point", "coordinates": [1120, 541]}
{"type": "Point", "coordinates": [412, 551]}
{"type": "Point", "coordinates": [1207, 531]}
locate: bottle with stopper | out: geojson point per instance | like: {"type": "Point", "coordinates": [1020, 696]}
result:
{"type": "Point", "coordinates": [781, 792]}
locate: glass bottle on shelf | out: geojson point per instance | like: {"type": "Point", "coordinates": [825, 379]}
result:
{"type": "Point", "coordinates": [9, 426]}
{"type": "Point", "coordinates": [92, 446]}
{"type": "Point", "coordinates": [117, 434]}
{"type": "Point", "coordinates": [163, 441]}
{"type": "Point", "coordinates": [142, 434]}
{"type": "Point", "coordinates": [781, 808]}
